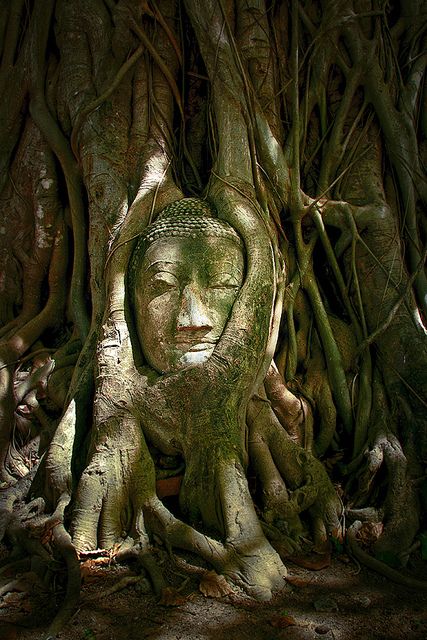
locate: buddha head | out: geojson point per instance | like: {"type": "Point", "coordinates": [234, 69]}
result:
{"type": "Point", "coordinates": [185, 273]}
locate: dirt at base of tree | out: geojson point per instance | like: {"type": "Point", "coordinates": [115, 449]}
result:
{"type": "Point", "coordinates": [342, 602]}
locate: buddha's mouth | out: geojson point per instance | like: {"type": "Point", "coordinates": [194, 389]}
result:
{"type": "Point", "coordinates": [195, 344]}
{"type": "Point", "coordinates": [202, 346]}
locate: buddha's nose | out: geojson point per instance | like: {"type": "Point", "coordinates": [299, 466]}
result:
{"type": "Point", "coordinates": [192, 314]}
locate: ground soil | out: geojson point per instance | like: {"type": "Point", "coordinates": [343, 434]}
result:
{"type": "Point", "coordinates": [341, 602]}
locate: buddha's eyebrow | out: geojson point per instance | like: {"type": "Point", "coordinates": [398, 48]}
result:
{"type": "Point", "coordinates": [227, 265]}
{"type": "Point", "coordinates": [157, 265]}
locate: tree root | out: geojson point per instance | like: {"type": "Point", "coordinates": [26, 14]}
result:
{"type": "Point", "coordinates": [387, 452]}
{"type": "Point", "coordinates": [377, 565]}
{"type": "Point", "coordinates": [292, 479]}
{"type": "Point", "coordinates": [29, 534]}
{"type": "Point", "coordinates": [141, 552]}
{"type": "Point", "coordinates": [125, 582]}
{"type": "Point", "coordinates": [250, 564]}
{"type": "Point", "coordinates": [62, 542]}
{"type": "Point", "coordinates": [292, 411]}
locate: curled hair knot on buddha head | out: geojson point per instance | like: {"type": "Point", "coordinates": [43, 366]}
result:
{"type": "Point", "coordinates": [186, 218]}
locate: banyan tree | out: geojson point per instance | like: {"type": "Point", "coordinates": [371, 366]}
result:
{"type": "Point", "coordinates": [213, 289]}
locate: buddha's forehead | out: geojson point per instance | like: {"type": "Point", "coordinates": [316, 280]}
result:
{"type": "Point", "coordinates": [193, 253]}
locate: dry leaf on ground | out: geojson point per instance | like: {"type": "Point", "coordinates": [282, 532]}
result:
{"type": "Point", "coordinates": [171, 597]}
{"type": "Point", "coordinates": [282, 622]}
{"type": "Point", "coordinates": [296, 581]}
{"type": "Point", "coordinates": [214, 585]}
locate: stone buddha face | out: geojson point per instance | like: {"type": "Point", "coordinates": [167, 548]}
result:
{"type": "Point", "coordinates": [184, 286]}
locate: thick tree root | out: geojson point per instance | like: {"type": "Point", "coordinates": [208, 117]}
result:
{"type": "Point", "coordinates": [377, 565]}
{"type": "Point", "coordinates": [252, 565]}
{"type": "Point", "coordinates": [292, 479]}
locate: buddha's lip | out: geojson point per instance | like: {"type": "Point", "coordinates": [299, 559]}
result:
{"type": "Point", "coordinates": [195, 344]}
{"type": "Point", "coordinates": [202, 346]}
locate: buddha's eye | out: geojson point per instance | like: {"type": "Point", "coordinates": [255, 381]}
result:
{"type": "Point", "coordinates": [225, 281]}
{"type": "Point", "coordinates": [162, 282]}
